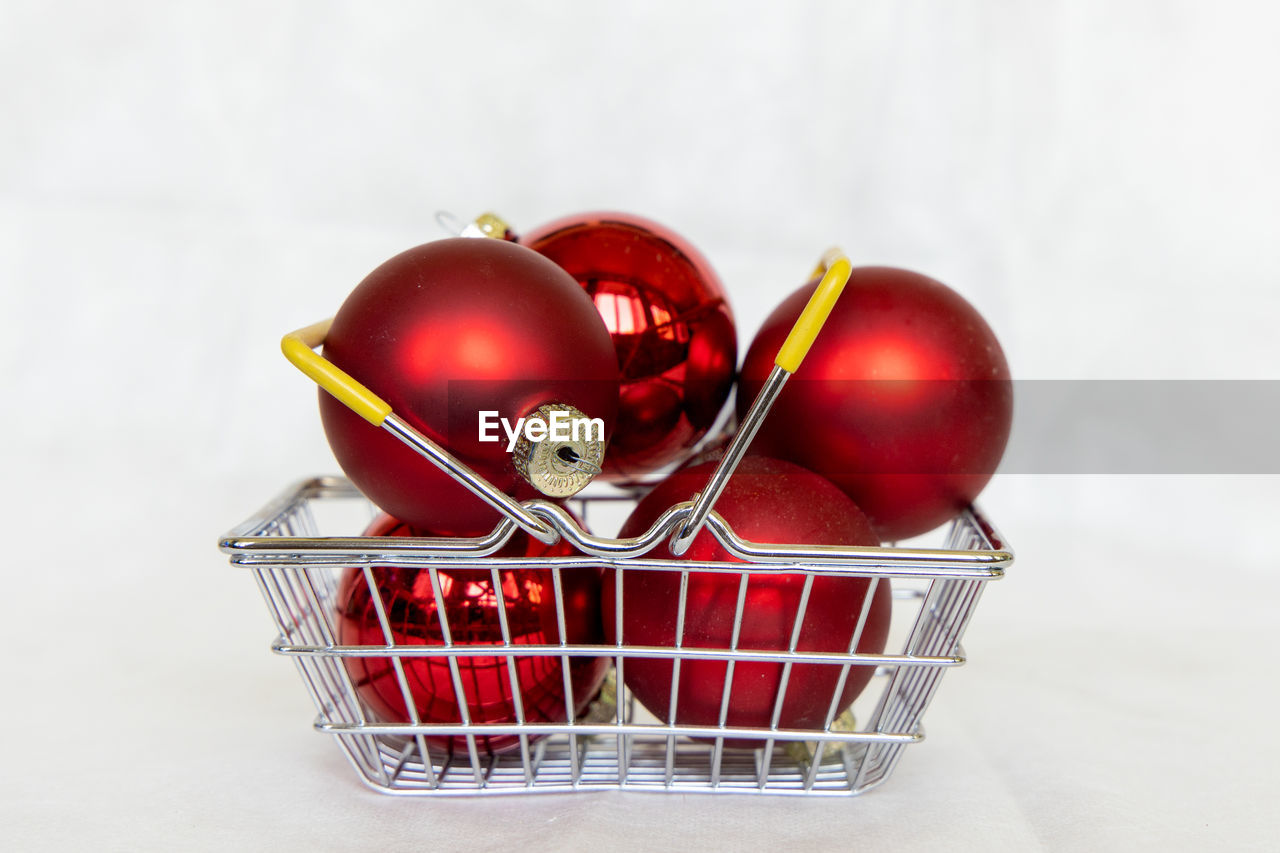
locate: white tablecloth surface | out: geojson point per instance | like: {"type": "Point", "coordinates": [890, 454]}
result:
{"type": "Point", "coordinates": [1117, 695]}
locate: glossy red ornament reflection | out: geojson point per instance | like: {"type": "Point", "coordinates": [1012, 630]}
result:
{"type": "Point", "coordinates": [904, 400]}
{"type": "Point", "coordinates": [471, 610]}
{"type": "Point", "coordinates": [670, 323]}
{"type": "Point", "coordinates": [772, 501]}
{"type": "Point", "coordinates": [441, 332]}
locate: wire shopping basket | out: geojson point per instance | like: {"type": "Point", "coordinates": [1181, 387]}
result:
{"type": "Point", "coordinates": [617, 744]}
{"type": "Point", "coordinates": [304, 568]}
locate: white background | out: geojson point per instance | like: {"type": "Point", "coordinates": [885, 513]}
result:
{"type": "Point", "coordinates": [182, 183]}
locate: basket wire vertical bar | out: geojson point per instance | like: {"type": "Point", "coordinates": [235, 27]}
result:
{"type": "Point", "coordinates": [965, 532]}
{"type": "Point", "coordinates": [834, 707]}
{"type": "Point", "coordinates": [908, 681]}
{"type": "Point", "coordinates": [333, 665]}
{"type": "Point", "coordinates": [293, 592]}
{"type": "Point", "coordinates": [298, 625]}
{"type": "Point", "coordinates": [930, 686]}
{"type": "Point", "coordinates": [273, 592]}
{"type": "Point", "coordinates": [947, 641]}
{"type": "Point", "coordinates": [575, 764]}
{"type": "Point", "coordinates": [397, 665]}
{"type": "Point", "coordinates": [902, 705]}
{"type": "Point", "coordinates": [944, 616]}
{"type": "Point", "coordinates": [851, 763]}
{"type": "Point", "coordinates": [517, 696]}
{"type": "Point", "coordinates": [539, 753]}
{"type": "Point", "coordinates": [919, 627]}
{"type": "Point", "coordinates": [619, 680]}
{"type": "Point", "coordinates": [801, 608]}
{"type": "Point", "coordinates": [943, 613]}
{"type": "Point", "coordinates": [325, 630]}
{"type": "Point", "coordinates": [675, 676]}
{"type": "Point", "coordinates": [936, 641]}
{"type": "Point", "coordinates": [877, 751]}
{"type": "Point", "coordinates": [305, 621]}
{"type": "Point", "coordinates": [718, 751]}
{"type": "Point", "coordinates": [464, 713]}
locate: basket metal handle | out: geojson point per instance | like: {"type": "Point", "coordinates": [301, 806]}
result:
{"type": "Point", "coordinates": [835, 269]}
{"type": "Point", "coordinates": [299, 348]}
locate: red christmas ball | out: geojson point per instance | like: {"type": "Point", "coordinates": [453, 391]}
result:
{"type": "Point", "coordinates": [671, 327]}
{"type": "Point", "coordinates": [470, 609]}
{"type": "Point", "coordinates": [443, 332]}
{"type": "Point", "coordinates": [766, 500]}
{"type": "Point", "coordinates": [904, 400]}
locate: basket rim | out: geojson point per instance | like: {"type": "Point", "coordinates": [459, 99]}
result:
{"type": "Point", "coordinates": [251, 544]}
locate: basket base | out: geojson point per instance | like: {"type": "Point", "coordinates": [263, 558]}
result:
{"type": "Point", "coordinates": [393, 764]}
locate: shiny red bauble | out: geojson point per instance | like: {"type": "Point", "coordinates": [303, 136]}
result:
{"type": "Point", "coordinates": [904, 401]}
{"type": "Point", "coordinates": [670, 323]}
{"type": "Point", "coordinates": [470, 608]}
{"type": "Point", "coordinates": [442, 332]}
{"type": "Point", "coordinates": [770, 501]}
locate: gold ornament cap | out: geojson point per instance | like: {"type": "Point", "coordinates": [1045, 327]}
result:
{"type": "Point", "coordinates": [488, 225]}
{"type": "Point", "coordinates": [568, 458]}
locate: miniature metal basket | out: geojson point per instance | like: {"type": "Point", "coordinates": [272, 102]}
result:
{"type": "Point", "coordinates": [297, 565]}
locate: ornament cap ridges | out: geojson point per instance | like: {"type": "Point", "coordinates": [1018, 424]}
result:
{"type": "Point", "coordinates": [558, 468]}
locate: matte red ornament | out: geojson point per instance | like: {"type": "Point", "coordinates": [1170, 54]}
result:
{"type": "Point", "coordinates": [670, 323]}
{"type": "Point", "coordinates": [767, 500]}
{"type": "Point", "coordinates": [470, 609]}
{"type": "Point", "coordinates": [904, 400]}
{"type": "Point", "coordinates": [442, 332]}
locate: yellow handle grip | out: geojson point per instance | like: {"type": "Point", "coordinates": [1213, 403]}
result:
{"type": "Point", "coordinates": [299, 348]}
{"type": "Point", "coordinates": [835, 269]}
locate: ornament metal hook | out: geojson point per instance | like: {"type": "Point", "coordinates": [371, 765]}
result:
{"type": "Point", "coordinates": [450, 223]}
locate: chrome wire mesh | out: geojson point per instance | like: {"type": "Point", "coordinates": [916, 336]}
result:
{"type": "Point", "coordinates": [618, 744]}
